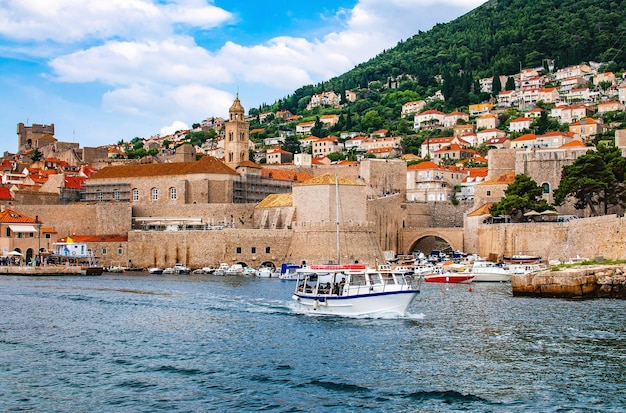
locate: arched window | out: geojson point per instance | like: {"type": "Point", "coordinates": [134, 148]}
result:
{"type": "Point", "coordinates": [155, 194]}
{"type": "Point", "coordinates": [135, 194]}
{"type": "Point", "coordinates": [546, 188]}
{"type": "Point", "coordinates": [172, 193]}
{"type": "Point", "coordinates": [230, 136]}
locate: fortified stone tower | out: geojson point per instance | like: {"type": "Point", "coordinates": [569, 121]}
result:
{"type": "Point", "coordinates": [35, 136]}
{"type": "Point", "coordinates": [237, 129]}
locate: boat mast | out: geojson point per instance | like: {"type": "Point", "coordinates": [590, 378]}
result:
{"type": "Point", "coordinates": [337, 219]}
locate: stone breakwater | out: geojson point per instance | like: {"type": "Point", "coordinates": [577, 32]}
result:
{"type": "Point", "coordinates": [601, 281]}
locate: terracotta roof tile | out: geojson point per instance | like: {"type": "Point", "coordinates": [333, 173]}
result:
{"type": "Point", "coordinates": [276, 200]}
{"type": "Point", "coordinates": [329, 179]}
{"type": "Point", "coordinates": [206, 165]}
{"type": "Point", "coordinates": [483, 210]}
{"type": "Point", "coordinates": [9, 216]}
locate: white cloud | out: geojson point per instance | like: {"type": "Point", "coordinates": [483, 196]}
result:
{"type": "Point", "coordinates": [79, 20]}
{"type": "Point", "coordinates": [173, 61]}
{"type": "Point", "coordinates": [176, 126]}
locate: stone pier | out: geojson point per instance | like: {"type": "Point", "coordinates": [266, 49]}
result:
{"type": "Point", "coordinates": [601, 281]}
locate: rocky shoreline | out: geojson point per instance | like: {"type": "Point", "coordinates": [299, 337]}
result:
{"type": "Point", "coordinates": [597, 281]}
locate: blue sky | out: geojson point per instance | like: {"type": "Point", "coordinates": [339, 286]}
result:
{"type": "Point", "coordinates": [103, 71]}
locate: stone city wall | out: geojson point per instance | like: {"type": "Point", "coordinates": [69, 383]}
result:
{"type": "Point", "coordinates": [587, 237]}
{"type": "Point", "coordinates": [83, 219]}
{"type": "Point", "coordinates": [199, 249]}
{"type": "Point", "coordinates": [242, 215]}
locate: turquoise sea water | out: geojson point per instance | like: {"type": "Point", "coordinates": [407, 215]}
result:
{"type": "Point", "coordinates": [139, 343]}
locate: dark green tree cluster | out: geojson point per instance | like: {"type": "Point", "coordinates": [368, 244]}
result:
{"type": "Point", "coordinates": [595, 180]}
{"type": "Point", "coordinates": [522, 196]}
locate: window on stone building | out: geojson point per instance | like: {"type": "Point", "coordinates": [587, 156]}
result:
{"type": "Point", "coordinates": [116, 195]}
{"type": "Point", "coordinates": [120, 250]}
{"type": "Point", "coordinates": [172, 193]}
{"type": "Point", "coordinates": [267, 250]}
{"type": "Point", "coordinates": [488, 193]}
{"type": "Point", "coordinates": [8, 232]}
{"type": "Point", "coordinates": [253, 250]}
{"type": "Point", "coordinates": [155, 194]}
{"type": "Point", "coordinates": [135, 194]}
{"type": "Point", "coordinates": [100, 195]}
{"type": "Point", "coordinates": [546, 188]}
{"type": "Point", "coordinates": [104, 251]}
{"type": "Point", "coordinates": [238, 250]}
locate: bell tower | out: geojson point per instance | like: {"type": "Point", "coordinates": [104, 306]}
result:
{"type": "Point", "coordinates": [236, 142]}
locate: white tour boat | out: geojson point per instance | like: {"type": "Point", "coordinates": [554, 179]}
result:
{"type": "Point", "coordinates": [353, 290]}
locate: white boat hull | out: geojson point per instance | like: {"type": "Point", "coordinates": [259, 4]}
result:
{"type": "Point", "coordinates": [491, 277]}
{"type": "Point", "coordinates": [357, 305]}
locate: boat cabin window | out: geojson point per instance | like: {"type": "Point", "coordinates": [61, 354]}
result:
{"type": "Point", "coordinates": [357, 279]}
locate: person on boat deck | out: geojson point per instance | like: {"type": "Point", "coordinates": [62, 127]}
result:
{"type": "Point", "coordinates": [325, 289]}
{"type": "Point", "coordinates": [336, 289]}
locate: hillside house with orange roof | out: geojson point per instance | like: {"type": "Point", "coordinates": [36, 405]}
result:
{"type": "Point", "coordinates": [452, 151]}
{"type": "Point", "coordinates": [304, 128]}
{"type": "Point", "coordinates": [461, 130]}
{"type": "Point", "coordinates": [429, 182]}
{"type": "Point", "coordinates": [554, 139]}
{"type": "Point", "coordinates": [549, 95]}
{"type": "Point", "coordinates": [278, 156]}
{"type": "Point", "coordinates": [411, 108]}
{"type": "Point", "coordinates": [587, 128]}
{"type": "Point", "coordinates": [502, 142]}
{"type": "Point", "coordinates": [508, 98]}
{"type": "Point", "coordinates": [528, 140]}
{"type": "Point", "coordinates": [487, 121]}
{"type": "Point", "coordinates": [324, 146]}
{"type": "Point", "coordinates": [610, 106]}
{"type": "Point", "coordinates": [324, 99]}
{"type": "Point", "coordinates": [571, 113]}
{"type": "Point", "coordinates": [480, 109]}
{"type": "Point", "coordinates": [329, 120]}
{"type": "Point", "coordinates": [431, 145]}
{"type": "Point", "coordinates": [608, 77]}
{"type": "Point", "coordinates": [484, 135]}
{"type": "Point", "coordinates": [428, 119]}
{"type": "Point", "coordinates": [520, 124]}
{"type": "Point", "coordinates": [452, 119]}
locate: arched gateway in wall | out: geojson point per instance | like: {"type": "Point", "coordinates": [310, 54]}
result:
{"type": "Point", "coordinates": [426, 239]}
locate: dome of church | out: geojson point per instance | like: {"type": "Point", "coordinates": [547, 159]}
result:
{"type": "Point", "coordinates": [236, 106]}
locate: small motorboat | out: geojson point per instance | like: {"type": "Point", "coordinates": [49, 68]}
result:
{"type": "Point", "coordinates": [155, 270]}
{"type": "Point", "coordinates": [442, 276]}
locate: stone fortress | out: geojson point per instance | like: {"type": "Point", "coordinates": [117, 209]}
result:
{"type": "Point", "coordinates": [362, 209]}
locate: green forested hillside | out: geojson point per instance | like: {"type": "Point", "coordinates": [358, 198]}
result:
{"type": "Point", "coordinates": [498, 37]}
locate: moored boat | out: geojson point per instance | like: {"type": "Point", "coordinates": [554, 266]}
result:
{"type": "Point", "coordinates": [155, 270]}
{"type": "Point", "coordinates": [521, 259]}
{"type": "Point", "coordinates": [353, 290]}
{"type": "Point", "coordinates": [177, 269]}
{"type": "Point", "coordinates": [440, 275]}
{"type": "Point", "coordinates": [489, 271]}
{"type": "Point", "coordinates": [288, 271]}
{"type": "Point", "coordinates": [221, 270]}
